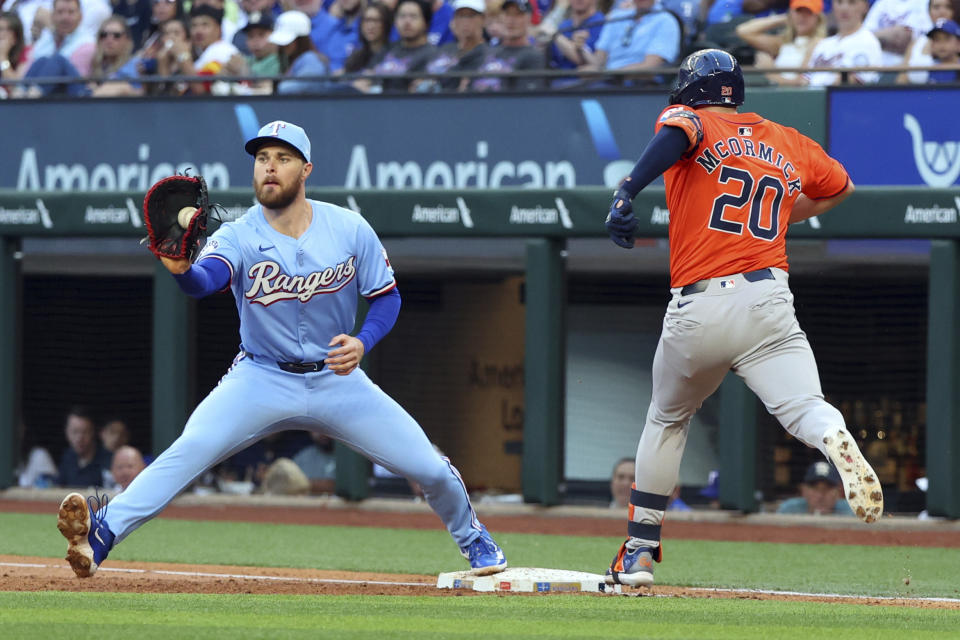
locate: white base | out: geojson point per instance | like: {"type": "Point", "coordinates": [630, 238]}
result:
{"type": "Point", "coordinates": [528, 580]}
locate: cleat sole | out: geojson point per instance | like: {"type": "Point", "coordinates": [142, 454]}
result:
{"type": "Point", "coordinates": [73, 521]}
{"type": "Point", "coordinates": [860, 485]}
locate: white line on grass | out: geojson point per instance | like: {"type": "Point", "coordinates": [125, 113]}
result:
{"type": "Point", "coordinates": [821, 595]}
{"type": "Point", "coordinates": [243, 576]}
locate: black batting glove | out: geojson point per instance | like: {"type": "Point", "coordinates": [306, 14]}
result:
{"type": "Point", "coordinates": [620, 223]}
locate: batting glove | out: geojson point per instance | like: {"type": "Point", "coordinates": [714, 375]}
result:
{"type": "Point", "coordinates": [620, 222]}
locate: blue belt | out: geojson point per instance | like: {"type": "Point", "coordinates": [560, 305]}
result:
{"type": "Point", "coordinates": [749, 276]}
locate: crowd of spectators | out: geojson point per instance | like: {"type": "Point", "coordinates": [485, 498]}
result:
{"type": "Point", "coordinates": [176, 47]}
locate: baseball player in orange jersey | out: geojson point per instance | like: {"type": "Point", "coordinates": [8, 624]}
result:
{"type": "Point", "coordinates": [734, 182]}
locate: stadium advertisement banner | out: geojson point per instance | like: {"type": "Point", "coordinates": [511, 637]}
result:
{"type": "Point", "coordinates": [904, 136]}
{"type": "Point", "coordinates": [438, 142]}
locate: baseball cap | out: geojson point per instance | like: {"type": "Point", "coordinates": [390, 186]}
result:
{"type": "Point", "coordinates": [259, 20]}
{"type": "Point", "coordinates": [821, 472]}
{"type": "Point", "coordinates": [815, 6]}
{"type": "Point", "coordinates": [480, 6]}
{"type": "Point", "coordinates": [947, 26]}
{"type": "Point", "coordinates": [290, 25]}
{"type": "Point", "coordinates": [523, 5]}
{"type": "Point", "coordinates": [290, 133]}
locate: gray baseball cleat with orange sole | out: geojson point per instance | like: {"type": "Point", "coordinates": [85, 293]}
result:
{"type": "Point", "coordinates": [861, 486]}
{"type": "Point", "coordinates": [633, 567]}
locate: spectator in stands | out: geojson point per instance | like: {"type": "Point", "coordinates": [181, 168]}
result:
{"type": "Point", "coordinates": [230, 23]}
{"type": "Point", "coordinates": [318, 462]}
{"type": "Point", "coordinates": [853, 46]}
{"type": "Point", "coordinates": [945, 50]}
{"type": "Point", "coordinates": [649, 40]}
{"type": "Point", "coordinates": [440, 31]}
{"type": "Point", "coordinates": [514, 53]}
{"type": "Point", "coordinates": [136, 14]}
{"type": "Point", "coordinates": [820, 493]}
{"type": "Point", "coordinates": [918, 53]}
{"type": "Point", "coordinates": [263, 59]}
{"type": "Point", "coordinates": [786, 39]}
{"type": "Point", "coordinates": [688, 12]}
{"type": "Point", "coordinates": [160, 12]}
{"type": "Point", "coordinates": [212, 52]}
{"type": "Point", "coordinates": [13, 50]}
{"type": "Point", "coordinates": [114, 434]}
{"type": "Point", "coordinates": [114, 49]}
{"type": "Point", "coordinates": [576, 34]}
{"type": "Point", "coordinates": [126, 465]}
{"type": "Point", "coordinates": [169, 56]}
{"type": "Point", "coordinates": [412, 53]}
{"type": "Point", "coordinates": [35, 468]}
{"type": "Point", "coordinates": [25, 11]}
{"type": "Point", "coordinates": [247, 9]}
{"type": "Point", "coordinates": [84, 460]}
{"type": "Point", "coordinates": [374, 31]}
{"type": "Point", "coordinates": [621, 483]}
{"type": "Point", "coordinates": [469, 50]}
{"type": "Point", "coordinates": [337, 33]}
{"type": "Point", "coordinates": [896, 23]}
{"type": "Point", "coordinates": [65, 39]}
{"type": "Point", "coordinates": [298, 55]}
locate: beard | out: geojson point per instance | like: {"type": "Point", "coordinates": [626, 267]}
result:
{"type": "Point", "coordinates": [277, 198]}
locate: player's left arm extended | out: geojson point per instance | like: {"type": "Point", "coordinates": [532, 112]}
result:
{"type": "Point", "coordinates": [806, 207]}
{"type": "Point", "coordinates": [207, 276]}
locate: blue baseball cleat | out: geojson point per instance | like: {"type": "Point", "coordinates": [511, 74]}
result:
{"type": "Point", "coordinates": [89, 539]}
{"type": "Point", "coordinates": [485, 555]}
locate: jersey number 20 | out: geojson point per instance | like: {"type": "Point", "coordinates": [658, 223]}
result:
{"type": "Point", "coordinates": [755, 197]}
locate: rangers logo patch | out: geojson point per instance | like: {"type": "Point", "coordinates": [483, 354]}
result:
{"type": "Point", "coordinates": [728, 284]}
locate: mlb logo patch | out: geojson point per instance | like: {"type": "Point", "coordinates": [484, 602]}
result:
{"type": "Point", "coordinates": [745, 131]}
{"type": "Point", "coordinates": [728, 284]}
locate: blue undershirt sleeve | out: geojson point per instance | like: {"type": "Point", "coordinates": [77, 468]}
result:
{"type": "Point", "coordinates": [381, 317]}
{"type": "Point", "coordinates": [204, 277]}
{"type": "Point", "coordinates": [664, 150]}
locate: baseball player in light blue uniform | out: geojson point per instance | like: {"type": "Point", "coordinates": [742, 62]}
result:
{"type": "Point", "coordinates": [296, 268]}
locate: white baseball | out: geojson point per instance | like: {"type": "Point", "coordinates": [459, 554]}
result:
{"type": "Point", "coordinates": [185, 215]}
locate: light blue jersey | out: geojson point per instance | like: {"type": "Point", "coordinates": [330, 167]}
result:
{"type": "Point", "coordinates": [295, 294]}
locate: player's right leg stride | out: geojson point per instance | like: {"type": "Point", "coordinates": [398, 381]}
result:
{"type": "Point", "coordinates": [860, 484]}
{"type": "Point", "coordinates": [89, 539]}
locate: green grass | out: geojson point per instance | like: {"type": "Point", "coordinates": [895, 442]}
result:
{"type": "Point", "coordinates": [858, 570]}
{"type": "Point", "coordinates": [79, 615]}
{"type": "Point", "coordinates": [813, 568]}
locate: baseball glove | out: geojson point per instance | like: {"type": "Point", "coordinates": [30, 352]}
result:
{"type": "Point", "coordinates": [166, 235]}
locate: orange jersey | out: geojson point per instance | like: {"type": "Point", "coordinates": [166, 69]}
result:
{"type": "Point", "coordinates": [731, 194]}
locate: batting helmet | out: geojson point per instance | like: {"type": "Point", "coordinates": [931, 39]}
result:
{"type": "Point", "coordinates": [710, 76]}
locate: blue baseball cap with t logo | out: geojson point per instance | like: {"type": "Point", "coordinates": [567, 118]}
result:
{"type": "Point", "coordinates": [286, 132]}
